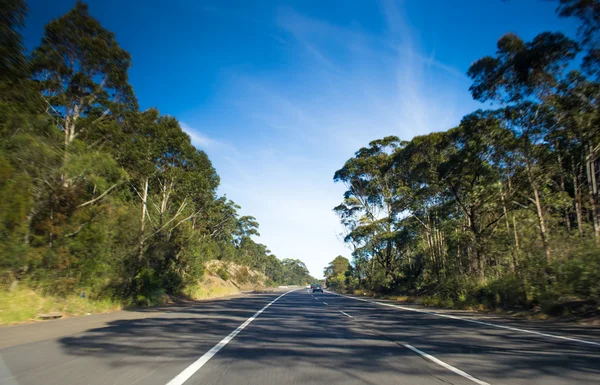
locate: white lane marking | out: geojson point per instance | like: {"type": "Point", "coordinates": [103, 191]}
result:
{"type": "Point", "coordinates": [346, 314]}
{"type": "Point", "coordinates": [326, 303]}
{"type": "Point", "coordinates": [445, 365]}
{"type": "Point", "coordinates": [196, 365]}
{"type": "Point", "coordinates": [477, 322]}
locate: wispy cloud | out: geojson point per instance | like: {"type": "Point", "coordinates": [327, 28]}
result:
{"type": "Point", "coordinates": [198, 139]}
{"type": "Point", "coordinates": [347, 86]}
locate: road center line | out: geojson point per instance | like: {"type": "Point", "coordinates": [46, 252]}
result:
{"type": "Point", "coordinates": [445, 365]}
{"type": "Point", "coordinates": [196, 365]}
{"type": "Point", "coordinates": [346, 314]}
{"type": "Point", "coordinates": [475, 321]}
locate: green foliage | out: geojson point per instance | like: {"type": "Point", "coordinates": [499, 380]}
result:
{"type": "Point", "coordinates": [221, 272]}
{"type": "Point", "coordinates": [338, 274]}
{"type": "Point", "coordinates": [96, 195]}
{"type": "Point", "coordinates": [12, 53]}
{"type": "Point", "coordinates": [491, 213]}
{"type": "Point", "coordinates": [295, 272]}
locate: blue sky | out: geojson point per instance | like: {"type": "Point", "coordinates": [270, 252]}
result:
{"type": "Point", "coordinates": [281, 94]}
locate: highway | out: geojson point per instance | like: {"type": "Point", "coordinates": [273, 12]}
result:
{"type": "Point", "coordinates": [295, 337]}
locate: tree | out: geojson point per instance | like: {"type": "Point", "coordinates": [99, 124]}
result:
{"type": "Point", "coordinates": [295, 272]}
{"type": "Point", "coordinates": [12, 56]}
{"type": "Point", "coordinates": [577, 134]}
{"type": "Point", "coordinates": [82, 72]}
{"type": "Point", "coordinates": [472, 178]}
{"type": "Point", "coordinates": [96, 194]}
{"type": "Point", "coordinates": [336, 272]}
{"type": "Point", "coordinates": [370, 205]}
{"type": "Point", "coordinates": [522, 70]}
{"type": "Point", "coordinates": [339, 265]}
{"type": "Point", "coordinates": [588, 13]}
{"type": "Point", "coordinates": [519, 76]}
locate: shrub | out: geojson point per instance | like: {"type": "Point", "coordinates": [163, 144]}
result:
{"type": "Point", "coordinates": [242, 275]}
{"type": "Point", "coordinates": [221, 272]}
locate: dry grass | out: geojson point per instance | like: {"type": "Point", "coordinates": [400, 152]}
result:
{"type": "Point", "coordinates": [24, 304]}
{"type": "Point", "coordinates": [211, 287]}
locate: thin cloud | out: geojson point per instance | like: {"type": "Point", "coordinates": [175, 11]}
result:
{"type": "Point", "coordinates": [198, 139]}
{"type": "Point", "coordinates": [346, 88]}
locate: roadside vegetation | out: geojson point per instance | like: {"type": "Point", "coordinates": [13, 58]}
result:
{"type": "Point", "coordinates": [501, 211]}
{"type": "Point", "coordinates": [97, 196]}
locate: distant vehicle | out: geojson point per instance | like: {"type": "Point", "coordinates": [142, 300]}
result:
{"type": "Point", "coordinates": [308, 286]}
{"type": "Point", "coordinates": [317, 289]}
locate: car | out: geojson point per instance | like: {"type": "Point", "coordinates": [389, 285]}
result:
{"type": "Point", "coordinates": [317, 289]}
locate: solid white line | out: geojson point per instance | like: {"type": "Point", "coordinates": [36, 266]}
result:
{"type": "Point", "coordinates": [196, 365]}
{"type": "Point", "coordinates": [326, 303]}
{"type": "Point", "coordinates": [476, 322]}
{"type": "Point", "coordinates": [522, 330]}
{"type": "Point", "coordinates": [346, 314]}
{"type": "Point", "coordinates": [445, 365]}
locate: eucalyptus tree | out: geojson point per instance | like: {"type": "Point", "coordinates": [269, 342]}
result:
{"type": "Point", "coordinates": [82, 72]}
{"type": "Point", "coordinates": [12, 53]}
{"type": "Point", "coordinates": [370, 204]}
{"type": "Point", "coordinates": [588, 13]}
{"type": "Point", "coordinates": [577, 135]}
{"type": "Point", "coordinates": [522, 76]}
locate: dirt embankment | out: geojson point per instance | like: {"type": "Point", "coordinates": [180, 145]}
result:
{"type": "Point", "coordinates": [223, 279]}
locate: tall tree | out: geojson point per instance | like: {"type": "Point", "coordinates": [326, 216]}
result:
{"type": "Point", "coordinates": [82, 71]}
{"type": "Point", "coordinates": [12, 56]}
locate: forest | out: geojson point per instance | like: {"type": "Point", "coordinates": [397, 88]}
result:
{"type": "Point", "coordinates": [502, 210]}
{"type": "Point", "coordinates": [96, 195]}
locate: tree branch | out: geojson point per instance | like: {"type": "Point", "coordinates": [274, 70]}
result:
{"type": "Point", "coordinates": [100, 196]}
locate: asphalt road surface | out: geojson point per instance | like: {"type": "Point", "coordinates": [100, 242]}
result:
{"type": "Point", "coordinates": [297, 338]}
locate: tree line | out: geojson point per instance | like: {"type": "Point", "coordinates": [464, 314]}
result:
{"type": "Point", "coordinates": [96, 194]}
{"type": "Point", "coordinates": [502, 209]}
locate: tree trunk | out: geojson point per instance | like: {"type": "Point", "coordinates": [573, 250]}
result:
{"type": "Point", "coordinates": [27, 235]}
{"type": "Point", "coordinates": [143, 220]}
{"type": "Point", "coordinates": [516, 235]}
{"type": "Point", "coordinates": [593, 191]}
{"type": "Point", "coordinates": [479, 255]}
{"type": "Point", "coordinates": [578, 209]}
{"type": "Point", "coordinates": [564, 191]}
{"type": "Point", "coordinates": [540, 212]}
{"type": "Point", "coordinates": [508, 233]}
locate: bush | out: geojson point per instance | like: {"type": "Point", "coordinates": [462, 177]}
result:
{"type": "Point", "coordinates": [578, 276]}
{"type": "Point", "coordinates": [505, 292]}
{"type": "Point", "coordinates": [149, 289]}
{"type": "Point", "coordinates": [221, 272]}
{"type": "Point", "coordinates": [242, 275]}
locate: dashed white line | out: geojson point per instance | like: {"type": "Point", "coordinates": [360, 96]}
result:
{"type": "Point", "coordinates": [196, 365]}
{"type": "Point", "coordinates": [346, 314]}
{"type": "Point", "coordinates": [445, 365]}
{"type": "Point", "coordinates": [326, 303]}
{"type": "Point", "coordinates": [475, 321]}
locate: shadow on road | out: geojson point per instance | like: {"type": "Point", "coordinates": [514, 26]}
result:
{"type": "Point", "coordinates": [300, 332]}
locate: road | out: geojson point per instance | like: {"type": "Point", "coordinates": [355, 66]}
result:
{"type": "Point", "coordinates": [298, 338]}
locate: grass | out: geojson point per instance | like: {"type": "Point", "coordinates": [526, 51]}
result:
{"type": "Point", "coordinates": [24, 304]}
{"type": "Point", "coordinates": [539, 313]}
{"type": "Point", "coordinates": [204, 291]}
